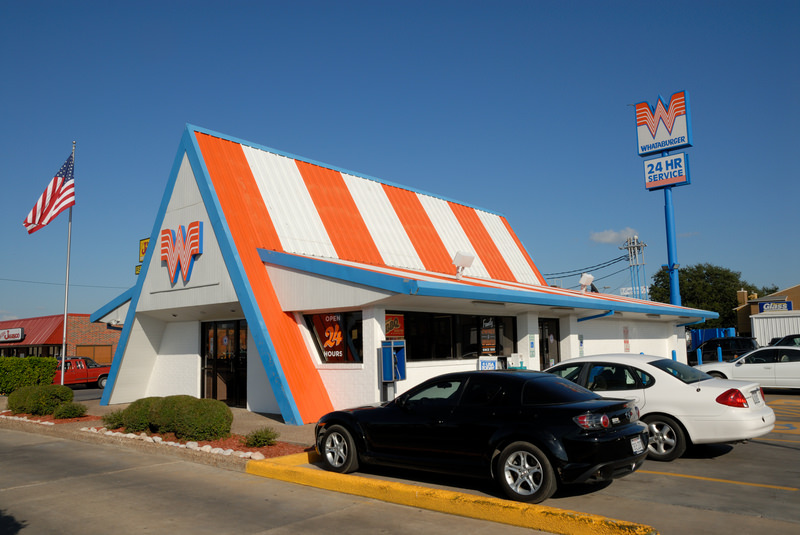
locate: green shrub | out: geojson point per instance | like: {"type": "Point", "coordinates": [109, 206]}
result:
{"type": "Point", "coordinates": [16, 372]}
{"type": "Point", "coordinates": [204, 419]}
{"type": "Point", "coordinates": [136, 417]}
{"type": "Point", "coordinates": [266, 436]}
{"type": "Point", "coordinates": [187, 417]}
{"type": "Point", "coordinates": [19, 399]}
{"type": "Point", "coordinates": [114, 419]}
{"type": "Point", "coordinates": [69, 410]}
{"type": "Point", "coordinates": [164, 415]}
{"type": "Point", "coordinates": [45, 399]}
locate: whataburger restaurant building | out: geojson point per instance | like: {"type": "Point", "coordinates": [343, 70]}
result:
{"type": "Point", "coordinates": [272, 282]}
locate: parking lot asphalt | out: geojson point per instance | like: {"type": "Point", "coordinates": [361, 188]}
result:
{"type": "Point", "coordinates": [751, 487]}
{"type": "Point", "coordinates": [304, 469]}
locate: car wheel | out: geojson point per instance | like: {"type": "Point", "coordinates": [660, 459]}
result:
{"type": "Point", "coordinates": [717, 375]}
{"type": "Point", "coordinates": [101, 382]}
{"type": "Point", "coordinates": [339, 450]}
{"type": "Point", "coordinates": [667, 441]}
{"type": "Point", "coordinates": [525, 474]}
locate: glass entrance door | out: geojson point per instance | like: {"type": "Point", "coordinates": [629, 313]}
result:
{"type": "Point", "coordinates": [225, 362]}
{"type": "Point", "coordinates": [548, 343]}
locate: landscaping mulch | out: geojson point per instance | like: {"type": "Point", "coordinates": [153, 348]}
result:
{"type": "Point", "coordinates": [234, 442]}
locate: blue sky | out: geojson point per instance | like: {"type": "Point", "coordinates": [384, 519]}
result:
{"type": "Point", "coordinates": [522, 108]}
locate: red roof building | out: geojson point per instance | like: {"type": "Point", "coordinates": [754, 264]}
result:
{"type": "Point", "coordinates": [44, 337]}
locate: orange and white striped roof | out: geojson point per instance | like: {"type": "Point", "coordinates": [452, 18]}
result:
{"type": "Point", "coordinates": [324, 212]}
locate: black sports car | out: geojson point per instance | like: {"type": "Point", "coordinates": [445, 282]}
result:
{"type": "Point", "coordinates": [528, 430]}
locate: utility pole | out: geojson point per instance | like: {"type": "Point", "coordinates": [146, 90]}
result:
{"type": "Point", "coordinates": [636, 265]}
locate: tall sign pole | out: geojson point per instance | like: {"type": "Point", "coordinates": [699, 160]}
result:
{"type": "Point", "coordinates": [662, 128]}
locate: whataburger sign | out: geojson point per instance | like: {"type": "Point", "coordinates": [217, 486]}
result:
{"type": "Point", "coordinates": [665, 126]}
{"type": "Point", "coordinates": [179, 248]}
{"type": "Point", "coordinates": [662, 128]}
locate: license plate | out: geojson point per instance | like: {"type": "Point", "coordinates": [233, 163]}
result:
{"type": "Point", "coordinates": [756, 396]}
{"type": "Point", "coordinates": [637, 445]}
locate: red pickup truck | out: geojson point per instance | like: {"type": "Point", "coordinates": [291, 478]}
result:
{"type": "Point", "coordinates": [82, 370]}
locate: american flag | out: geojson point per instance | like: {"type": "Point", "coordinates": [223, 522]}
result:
{"type": "Point", "coordinates": [59, 195]}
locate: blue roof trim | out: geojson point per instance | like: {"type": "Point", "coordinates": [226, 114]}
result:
{"type": "Point", "coordinates": [335, 168]}
{"type": "Point", "coordinates": [399, 284]}
{"type": "Point", "coordinates": [109, 307]}
{"type": "Point", "coordinates": [257, 327]}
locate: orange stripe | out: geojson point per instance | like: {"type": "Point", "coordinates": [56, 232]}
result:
{"type": "Point", "coordinates": [419, 227]}
{"type": "Point", "coordinates": [252, 228]}
{"type": "Point", "coordinates": [483, 243]}
{"type": "Point", "coordinates": [339, 214]}
{"type": "Point", "coordinates": [524, 252]}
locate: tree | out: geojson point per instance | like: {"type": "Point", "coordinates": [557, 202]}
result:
{"type": "Point", "coordinates": [707, 287]}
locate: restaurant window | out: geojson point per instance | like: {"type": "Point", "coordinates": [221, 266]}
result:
{"type": "Point", "coordinates": [431, 336]}
{"type": "Point", "coordinates": [337, 336]}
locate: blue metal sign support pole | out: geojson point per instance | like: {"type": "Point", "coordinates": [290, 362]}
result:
{"type": "Point", "coordinates": [672, 249]}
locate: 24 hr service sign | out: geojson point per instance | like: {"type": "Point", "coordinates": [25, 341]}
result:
{"type": "Point", "coordinates": [672, 170]}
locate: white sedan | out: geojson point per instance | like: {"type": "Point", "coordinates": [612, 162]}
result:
{"type": "Point", "coordinates": [679, 404]}
{"type": "Point", "coordinates": [771, 367]}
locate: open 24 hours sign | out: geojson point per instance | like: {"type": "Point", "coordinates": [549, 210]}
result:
{"type": "Point", "coordinates": [672, 170]}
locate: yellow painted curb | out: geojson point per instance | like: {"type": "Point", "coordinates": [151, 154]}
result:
{"type": "Point", "coordinates": [539, 517]}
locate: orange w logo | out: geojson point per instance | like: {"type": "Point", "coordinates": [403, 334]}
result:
{"type": "Point", "coordinates": [650, 117]}
{"type": "Point", "coordinates": [179, 249]}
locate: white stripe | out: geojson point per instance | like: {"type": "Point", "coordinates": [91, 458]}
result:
{"type": "Point", "coordinates": [514, 257]}
{"type": "Point", "coordinates": [289, 204]}
{"type": "Point", "coordinates": [451, 233]}
{"type": "Point", "coordinates": [384, 226]}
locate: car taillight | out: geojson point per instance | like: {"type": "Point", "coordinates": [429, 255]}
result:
{"type": "Point", "coordinates": [732, 398]}
{"type": "Point", "coordinates": [592, 421]}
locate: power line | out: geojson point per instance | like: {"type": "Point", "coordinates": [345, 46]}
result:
{"type": "Point", "coordinates": [587, 269]}
{"type": "Point", "coordinates": [62, 284]}
{"type": "Point", "coordinates": [605, 277]}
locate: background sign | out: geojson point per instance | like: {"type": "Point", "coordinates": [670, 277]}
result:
{"type": "Point", "coordinates": [665, 126]}
{"type": "Point", "coordinates": [12, 335]}
{"type": "Point", "coordinates": [666, 171]}
{"type": "Point", "coordinates": [487, 363]}
{"type": "Point", "coordinates": [775, 306]}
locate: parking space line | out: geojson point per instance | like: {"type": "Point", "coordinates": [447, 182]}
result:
{"type": "Point", "coordinates": [786, 428]}
{"type": "Point", "coordinates": [767, 439]}
{"type": "Point", "coordinates": [715, 480]}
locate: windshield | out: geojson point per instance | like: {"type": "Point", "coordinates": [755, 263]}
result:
{"type": "Point", "coordinates": [685, 373]}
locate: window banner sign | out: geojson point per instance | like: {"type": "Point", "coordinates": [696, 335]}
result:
{"type": "Point", "coordinates": [488, 341]}
{"type": "Point", "coordinates": [665, 126]}
{"type": "Point", "coordinates": [672, 170]}
{"type": "Point", "coordinates": [395, 327]}
{"type": "Point", "coordinates": [335, 341]}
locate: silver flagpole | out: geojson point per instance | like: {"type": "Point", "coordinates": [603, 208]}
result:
{"type": "Point", "coordinates": [66, 286]}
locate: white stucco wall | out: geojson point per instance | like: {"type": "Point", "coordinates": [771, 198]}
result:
{"type": "Point", "coordinates": [621, 335]}
{"type": "Point", "coordinates": [138, 360]}
{"type": "Point", "coordinates": [177, 366]}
